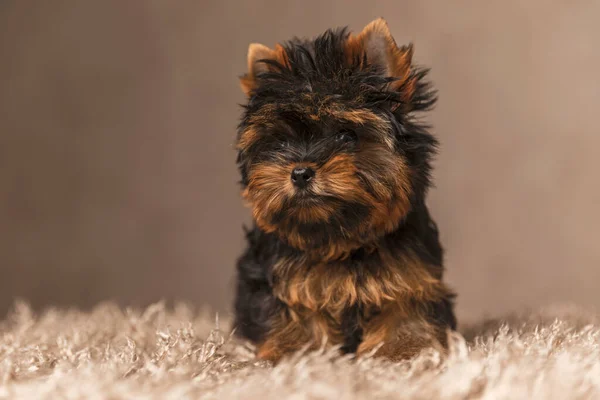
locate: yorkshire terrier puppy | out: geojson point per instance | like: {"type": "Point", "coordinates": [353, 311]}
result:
{"type": "Point", "coordinates": [335, 166]}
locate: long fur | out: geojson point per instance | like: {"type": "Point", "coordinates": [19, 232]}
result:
{"type": "Point", "coordinates": [355, 259]}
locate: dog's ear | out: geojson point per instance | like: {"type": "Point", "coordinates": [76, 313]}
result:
{"type": "Point", "coordinates": [257, 54]}
{"type": "Point", "coordinates": [376, 43]}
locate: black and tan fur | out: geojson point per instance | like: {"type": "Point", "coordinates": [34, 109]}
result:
{"type": "Point", "coordinates": [354, 258]}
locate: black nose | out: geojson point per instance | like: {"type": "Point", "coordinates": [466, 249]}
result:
{"type": "Point", "coordinates": [301, 176]}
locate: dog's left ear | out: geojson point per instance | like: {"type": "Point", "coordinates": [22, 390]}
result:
{"type": "Point", "coordinates": [257, 54]}
{"type": "Point", "coordinates": [377, 44]}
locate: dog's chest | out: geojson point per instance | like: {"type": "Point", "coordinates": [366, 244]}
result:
{"type": "Point", "coordinates": [367, 283]}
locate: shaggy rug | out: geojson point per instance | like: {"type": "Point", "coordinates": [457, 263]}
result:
{"type": "Point", "coordinates": [159, 353]}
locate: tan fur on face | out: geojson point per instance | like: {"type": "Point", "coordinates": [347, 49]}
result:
{"type": "Point", "coordinates": [269, 186]}
{"type": "Point", "coordinates": [315, 213]}
{"type": "Point", "coordinates": [390, 202]}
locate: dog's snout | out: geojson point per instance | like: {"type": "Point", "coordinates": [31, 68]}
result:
{"type": "Point", "coordinates": [301, 176]}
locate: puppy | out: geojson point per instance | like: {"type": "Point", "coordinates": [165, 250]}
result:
{"type": "Point", "coordinates": [335, 167]}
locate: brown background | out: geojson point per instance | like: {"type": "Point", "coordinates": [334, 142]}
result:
{"type": "Point", "coordinates": [117, 175]}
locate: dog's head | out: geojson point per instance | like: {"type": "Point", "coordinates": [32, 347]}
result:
{"type": "Point", "coordinates": [329, 150]}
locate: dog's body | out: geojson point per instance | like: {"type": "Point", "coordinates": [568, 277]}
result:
{"type": "Point", "coordinates": [336, 168]}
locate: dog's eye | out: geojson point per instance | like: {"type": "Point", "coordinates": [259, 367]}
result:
{"type": "Point", "coordinates": [284, 144]}
{"type": "Point", "coordinates": [346, 137]}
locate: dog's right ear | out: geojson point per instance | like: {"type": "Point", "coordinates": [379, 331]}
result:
{"type": "Point", "coordinates": [257, 54]}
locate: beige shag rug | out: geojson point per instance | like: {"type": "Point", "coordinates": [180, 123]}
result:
{"type": "Point", "coordinates": [111, 353]}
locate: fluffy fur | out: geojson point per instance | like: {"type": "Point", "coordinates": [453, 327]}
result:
{"type": "Point", "coordinates": [157, 353]}
{"type": "Point", "coordinates": [352, 259]}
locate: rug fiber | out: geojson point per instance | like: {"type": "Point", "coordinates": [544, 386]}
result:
{"type": "Point", "coordinates": [160, 353]}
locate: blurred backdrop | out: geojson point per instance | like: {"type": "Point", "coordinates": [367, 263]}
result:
{"type": "Point", "coordinates": [117, 118]}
